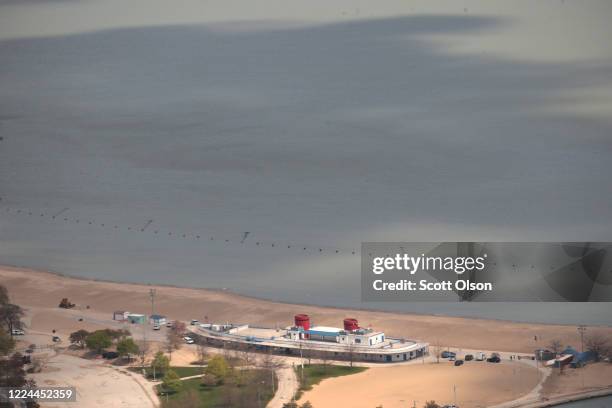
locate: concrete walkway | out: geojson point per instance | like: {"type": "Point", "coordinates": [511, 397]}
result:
{"type": "Point", "coordinates": [531, 397]}
{"type": "Point", "coordinates": [287, 387]}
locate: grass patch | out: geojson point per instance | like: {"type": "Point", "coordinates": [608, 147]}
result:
{"type": "Point", "coordinates": [181, 371]}
{"type": "Point", "coordinates": [255, 390]}
{"type": "Point", "coordinates": [208, 396]}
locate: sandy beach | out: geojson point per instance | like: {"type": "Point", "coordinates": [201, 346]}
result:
{"type": "Point", "coordinates": [42, 291]}
{"type": "Point", "coordinates": [477, 384]}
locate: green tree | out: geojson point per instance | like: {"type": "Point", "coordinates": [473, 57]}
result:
{"type": "Point", "coordinates": [218, 367]}
{"type": "Point", "coordinates": [7, 344]}
{"type": "Point", "coordinates": [307, 404]}
{"type": "Point", "coordinates": [10, 317]}
{"type": "Point", "coordinates": [431, 404]}
{"type": "Point", "coordinates": [171, 382]}
{"type": "Point", "coordinates": [78, 337]}
{"type": "Point", "coordinates": [117, 334]}
{"type": "Point", "coordinates": [98, 341]}
{"type": "Point", "coordinates": [160, 364]}
{"type": "Point", "coordinates": [12, 373]}
{"type": "Point", "coordinates": [127, 346]}
{"type": "Point", "coordinates": [209, 380]}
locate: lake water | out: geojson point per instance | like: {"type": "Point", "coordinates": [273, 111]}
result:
{"type": "Point", "coordinates": [310, 136]}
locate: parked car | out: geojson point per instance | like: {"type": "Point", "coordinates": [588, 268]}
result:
{"type": "Point", "coordinates": [188, 340]}
{"type": "Point", "coordinates": [109, 355]}
{"type": "Point", "coordinates": [17, 332]}
{"type": "Point", "coordinates": [448, 354]}
{"type": "Point", "coordinates": [468, 357]}
{"type": "Point", "coordinates": [56, 339]}
{"type": "Point", "coordinates": [481, 356]}
{"type": "Point", "coordinates": [156, 327]}
{"type": "Point", "coordinates": [169, 324]}
{"type": "Point", "coordinates": [194, 322]}
{"type": "Point", "coordinates": [495, 358]}
{"type": "Point", "coordinates": [458, 363]}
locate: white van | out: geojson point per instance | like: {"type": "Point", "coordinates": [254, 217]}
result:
{"type": "Point", "coordinates": [481, 356]}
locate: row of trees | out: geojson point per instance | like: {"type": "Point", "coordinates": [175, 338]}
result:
{"type": "Point", "coordinates": [245, 378]}
{"type": "Point", "coordinates": [10, 314]}
{"type": "Point", "coordinates": [12, 366]}
{"type": "Point", "coordinates": [100, 340]}
{"type": "Point", "coordinates": [241, 379]}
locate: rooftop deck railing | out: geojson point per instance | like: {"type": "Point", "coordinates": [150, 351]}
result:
{"type": "Point", "coordinates": [280, 341]}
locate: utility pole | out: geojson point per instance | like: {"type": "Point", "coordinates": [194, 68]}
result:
{"type": "Point", "coordinates": [152, 293]}
{"type": "Point", "coordinates": [582, 329]}
{"type": "Point", "coordinates": [302, 361]}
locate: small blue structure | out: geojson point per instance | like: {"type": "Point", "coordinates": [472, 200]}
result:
{"type": "Point", "coordinates": [157, 319]}
{"type": "Point", "coordinates": [580, 358]}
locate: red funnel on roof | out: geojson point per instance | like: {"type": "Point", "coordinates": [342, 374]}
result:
{"type": "Point", "coordinates": [302, 320]}
{"type": "Point", "coordinates": [350, 324]}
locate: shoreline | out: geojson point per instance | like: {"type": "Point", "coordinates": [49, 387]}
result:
{"type": "Point", "coordinates": [44, 290]}
{"type": "Point", "coordinates": [39, 292]}
{"type": "Point", "coordinates": [262, 299]}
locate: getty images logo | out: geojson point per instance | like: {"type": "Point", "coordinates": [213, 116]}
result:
{"type": "Point", "coordinates": [413, 264]}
